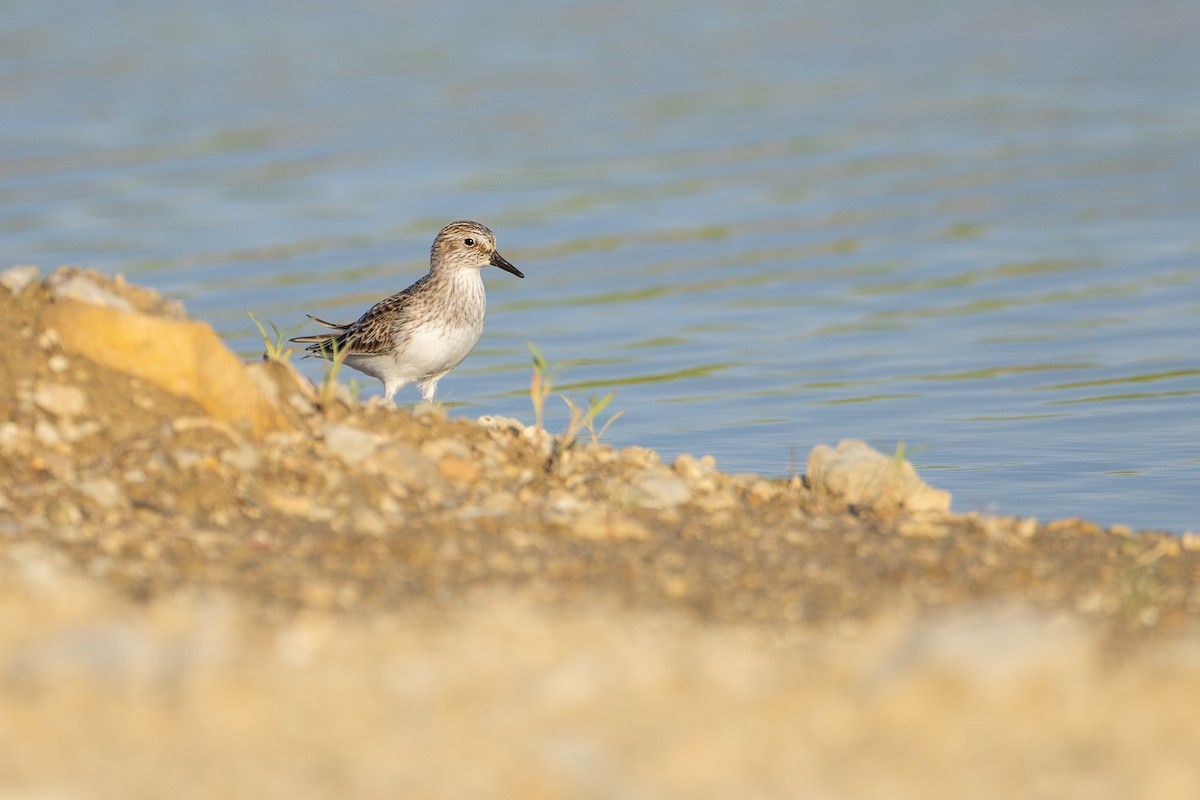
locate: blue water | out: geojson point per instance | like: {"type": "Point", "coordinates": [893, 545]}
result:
{"type": "Point", "coordinates": [973, 227]}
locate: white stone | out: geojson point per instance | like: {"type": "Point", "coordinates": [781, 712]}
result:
{"type": "Point", "coordinates": [103, 492]}
{"type": "Point", "coordinates": [654, 488]}
{"type": "Point", "coordinates": [863, 476]}
{"type": "Point", "coordinates": [82, 290]}
{"type": "Point", "coordinates": [349, 444]}
{"type": "Point", "coordinates": [18, 279]}
{"type": "Point", "coordinates": [61, 400]}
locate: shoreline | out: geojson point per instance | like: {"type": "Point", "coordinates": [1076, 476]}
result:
{"type": "Point", "coordinates": [189, 539]}
{"type": "Point", "coordinates": [134, 427]}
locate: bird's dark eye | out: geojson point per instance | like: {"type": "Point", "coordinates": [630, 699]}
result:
{"type": "Point", "coordinates": [469, 242]}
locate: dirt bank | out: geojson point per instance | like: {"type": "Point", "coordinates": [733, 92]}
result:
{"type": "Point", "coordinates": [209, 561]}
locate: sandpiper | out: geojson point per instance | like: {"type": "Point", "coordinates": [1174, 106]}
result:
{"type": "Point", "coordinates": [427, 330]}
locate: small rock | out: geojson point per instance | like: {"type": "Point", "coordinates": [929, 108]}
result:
{"type": "Point", "coordinates": [497, 505]}
{"type": "Point", "coordinates": [297, 505]}
{"type": "Point", "coordinates": [58, 363]}
{"type": "Point", "coordinates": [403, 465]}
{"type": "Point", "coordinates": [103, 492]}
{"type": "Point", "coordinates": [689, 468]}
{"type": "Point", "coordinates": [349, 444]}
{"type": "Point", "coordinates": [369, 523]}
{"type": "Point", "coordinates": [717, 501]}
{"type": "Point", "coordinates": [186, 459]}
{"type": "Point", "coordinates": [81, 289]}
{"type": "Point", "coordinates": [762, 491]}
{"type": "Point", "coordinates": [656, 489]}
{"type": "Point", "coordinates": [459, 470]}
{"type": "Point", "coordinates": [49, 339]}
{"type": "Point", "coordinates": [597, 525]}
{"type": "Point", "coordinates": [11, 436]}
{"type": "Point", "coordinates": [243, 459]}
{"type": "Point", "coordinates": [543, 440]}
{"type": "Point", "coordinates": [506, 424]}
{"type": "Point", "coordinates": [441, 448]}
{"type": "Point", "coordinates": [561, 508]}
{"type": "Point", "coordinates": [82, 430]}
{"type": "Point", "coordinates": [640, 457]}
{"type": "Point", "coordinates": [259, 373]}
{"type": "Point", "coordinates": [61, 400]}
{"type": "Point", "coordinates": [46, 433]}
{"type": "Point", "coordinates": [17, 279]}
{"type": "Point", "coordinates": [864, 477]}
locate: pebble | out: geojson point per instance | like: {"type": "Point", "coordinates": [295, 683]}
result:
{"type": "Point", "coordinates": [640, 456]}
{"type": "Point", "coordinates": [11, 436]}
{"type": "Point", "coordinates": [540, 438]}
{"type": "Point", "coordinates": [692, 469]}
{"type": "Point", "coordinates": [103, 492]}
{"type": "Point", "coordinates": [82, 290]}
{"type": "Point", "coordinates": [658, 489]}
{"type": "Point", "coordinates": [458, 470]}
{"type": "Point", "coordinates": [403, 465]}
{"type": "Point", "coordinates": [561, 507]}
{"type": "Point", "coordinates": [862, 476]}
{"type": "Point", "coordinates": [444, 447]}
{"type": "Point", "coordinates": [17, 279]}
{"type": "Point", "coordinates": [598, 525]}
{"type": "Point", "coordinates": [368, 523]}
{"type": "Point", "coordinates": [497, 505]}
{"type": "Point", "coordinates": [297, 505]}
{"type": "Point", "coordinates": [243, 459]}
{"type": "Point", "coordinates": [46, 433]}
{"type": "Point", "coordinates": [61, 400]}
{"type": "Point", "coordinates": [505, 424]}
{"type": "Point", "coordinates": [348, 444]}
{"type": "Point", "coordinates": [762, 491]}
{"type": "Point", "coordinates": [717, 501]}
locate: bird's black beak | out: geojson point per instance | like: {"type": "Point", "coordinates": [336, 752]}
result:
{"type": "Point", "coordinates": [500, 261]}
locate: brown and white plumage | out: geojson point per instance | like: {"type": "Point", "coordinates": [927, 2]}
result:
{"type": "Point", "coordinates": [420, 334]}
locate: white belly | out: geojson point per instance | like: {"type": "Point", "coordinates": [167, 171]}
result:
{"type": "Point", "coordinates": [436, 350]}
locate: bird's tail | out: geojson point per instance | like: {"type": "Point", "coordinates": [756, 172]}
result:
{"type": "Point", "coordinates": [333, 325]}
{"type": "Point", "coordinates": [320, 344]}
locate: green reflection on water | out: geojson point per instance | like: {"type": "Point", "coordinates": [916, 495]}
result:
{"type": "Point", "coordinates": [1012, 417]}
{"type": "Point", "coordinates": [871, 398]}
{"type": "Point", "coordinates": [1154, 376]}
{"type": "Point", "coordinates": [995, 372]}
{"type": "Point", "coordinates": [701, 371]}
{"type": "Point", "coordinates": [1128, 396]}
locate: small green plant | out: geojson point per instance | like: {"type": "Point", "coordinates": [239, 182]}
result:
{"type": "Point", "coordinates": [585, 419]}
{"type": "Point", "coordinates": [581, 417]}
{"type": "Point", "coordinates": [333, 364]}
{"type": "Point", "coordinates": [540, 385]}
{"type": "Point", "coordinates": [276, 344]}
